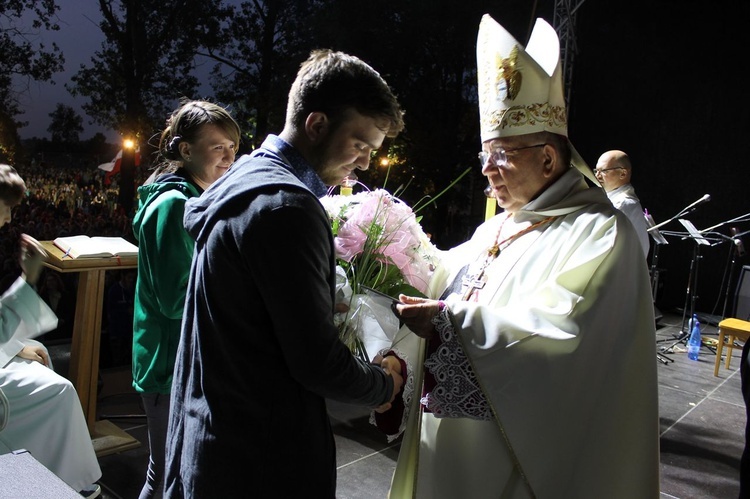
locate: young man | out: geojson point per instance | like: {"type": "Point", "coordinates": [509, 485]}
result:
{"type": "Point", "coordinates": [259, 352]}
{"type": "Point", "coordinates": [539, 377]}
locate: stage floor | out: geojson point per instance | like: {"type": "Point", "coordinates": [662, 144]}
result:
{"type": "Point", "coordinates": [702, 419]}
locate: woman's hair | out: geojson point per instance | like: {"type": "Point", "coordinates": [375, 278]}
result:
{"type": "Point", "coordinates": [184, 125]}
{"type": "Point", "coordinates": [12, 186]}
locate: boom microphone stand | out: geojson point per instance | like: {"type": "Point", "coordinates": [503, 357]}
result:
{"type": "Point", "coordinates": [688, 209]}
{"type": "Point", "coordinates": [735, 250]}
{"type": "Point", "coordinates": [659, 240]}
{"type": "Point", "coordinates": [691, 294]}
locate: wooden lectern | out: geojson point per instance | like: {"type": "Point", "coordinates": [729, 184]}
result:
{"type": "Point", "coordinates": [84, 353]}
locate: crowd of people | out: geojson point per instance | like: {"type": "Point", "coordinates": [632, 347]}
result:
{"type": "Point", "coordinates": [545, 312]}
{"type": "Point", "coordinates": [62, 202]}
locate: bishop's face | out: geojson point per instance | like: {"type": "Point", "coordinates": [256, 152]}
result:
{"type": "Point", "coordinates": [517, 171]}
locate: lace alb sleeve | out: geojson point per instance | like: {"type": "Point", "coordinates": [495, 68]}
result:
{"type": "Point", "coordinates": [457, 393]}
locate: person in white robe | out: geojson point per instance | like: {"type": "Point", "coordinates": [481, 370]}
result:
{"type": "Point", "coordinates": [614, 171]}
{"type": "Point", "coordinates": [533, 374]}
{"type": "Point", "coordinates": [39, 409]}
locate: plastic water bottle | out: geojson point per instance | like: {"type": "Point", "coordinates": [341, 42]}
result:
{"type": "Point", "coordinates": [694, 343]}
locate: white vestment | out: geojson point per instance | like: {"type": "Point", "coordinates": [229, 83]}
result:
{"type": "Point", "coordinates": [561, 341]}
{"type": "Point", "coordinates": [624, 199]}
{"type": "Point", "coordinates": [42, 411]}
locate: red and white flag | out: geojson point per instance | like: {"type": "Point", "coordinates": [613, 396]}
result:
{"type": "Point", "coordinates": [113, 167]}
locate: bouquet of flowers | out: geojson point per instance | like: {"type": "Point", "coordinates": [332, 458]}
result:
{"type": "Point", "coordinates": [379, 245]}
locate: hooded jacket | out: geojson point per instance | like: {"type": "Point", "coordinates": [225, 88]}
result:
{"type": "Point", "coordinates": [259, 352]}
{"type": "Point", "coordinates": [165, 251]}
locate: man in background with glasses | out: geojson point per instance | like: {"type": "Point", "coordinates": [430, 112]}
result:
{"type": "Point", "coordinates": [532, 366]}
{"type": "Point", "coordinates": [613, 170]}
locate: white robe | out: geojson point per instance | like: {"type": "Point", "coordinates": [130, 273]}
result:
{"type": "Point", "coordinates": [42, 411]}
{"type": "Point", "coordinates": [562, 343]}
{"type": "Point", "coordinates": [624, 199]}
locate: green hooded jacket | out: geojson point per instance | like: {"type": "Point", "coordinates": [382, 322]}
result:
{"type": "Point", "coordinates": [165, 252]}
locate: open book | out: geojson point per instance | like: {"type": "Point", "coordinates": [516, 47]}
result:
{"type": "Point", "coordinates": [95, 247]}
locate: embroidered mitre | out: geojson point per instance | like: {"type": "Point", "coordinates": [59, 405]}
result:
{"type": "Point", "coordinates": [521, 89]}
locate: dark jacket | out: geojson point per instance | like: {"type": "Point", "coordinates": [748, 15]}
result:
{"type": "Point", "coordinates": [259, 352]}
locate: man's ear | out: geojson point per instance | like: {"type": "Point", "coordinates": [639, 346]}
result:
{"type": "Point", "coordinates": [550, 159]}
{"type": "Point", "coordinates": [316, 126]}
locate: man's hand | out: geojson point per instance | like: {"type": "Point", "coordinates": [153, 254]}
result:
{"type": "Point", "coordinates": [35, 353]}
{"type": "Point", "coordinates": [392, 367]}
{"type": "Point", "coordinates": [32, 257]}
{"type": "Point", "coordinates": [417, 314]}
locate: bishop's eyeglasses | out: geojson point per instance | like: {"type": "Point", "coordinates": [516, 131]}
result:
{"type": "Point", "coordinates": [499, 156]}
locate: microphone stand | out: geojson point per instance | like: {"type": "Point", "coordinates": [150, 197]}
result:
{"type": "Point", "coordinates": [688, 209]}
{"type": "Point", "coordinates": [691, 295]}
{"type": "Point", "coordinates": [728, 272]}
{"type": "Point", "coordinates": [741, 218]}
{"type": "Point", "coordinates": [654, 271]}
{"type": "Point", "coordinates": [734, 252]}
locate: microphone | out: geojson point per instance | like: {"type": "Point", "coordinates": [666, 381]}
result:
{"type": "Point", "coordinates": [738, 246]}
{"type": "Point", "coordinates": [705, 199]}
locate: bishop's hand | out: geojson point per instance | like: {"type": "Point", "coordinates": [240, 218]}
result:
{"type": "Point", "coordinates": [417, 314]}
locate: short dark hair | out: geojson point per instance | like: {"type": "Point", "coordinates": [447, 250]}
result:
{"type": "Point", "coordinates": [333, 82]}
{"type": "Point", "coordinates": [559, 142]}
{"type": "Point", "coordinates": [12, 186]}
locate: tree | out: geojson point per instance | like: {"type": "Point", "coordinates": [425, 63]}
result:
{"type": "Point", "coordinates": [146, 62]}
{"type": "Point", "coordinates": [144, 67]}
{"type": "Point", "coordinates": [260, 50]}
{"type": "Point", "coordinates": [9, 140]}
{"type": "Point", "coordinates": [23, 57]}
{"type": "Point", "coordinates": [66, 124]}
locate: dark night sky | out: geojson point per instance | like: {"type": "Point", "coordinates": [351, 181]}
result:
{"type": "Point", "coordinates": [658, 79]}
{"type": "Point", "coordinates": [661, 81]}
{"type": "Point", "coordinates": [78, 38]}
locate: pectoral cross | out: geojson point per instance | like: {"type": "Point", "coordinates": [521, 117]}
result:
{"type": "Point", "coordinates": [474, 283]}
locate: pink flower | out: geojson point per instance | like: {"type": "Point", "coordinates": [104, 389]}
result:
{"type": "Point", "coordinates": [375, 226]}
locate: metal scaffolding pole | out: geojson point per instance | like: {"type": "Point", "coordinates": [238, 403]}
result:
{"type": "Point", "coordinates": [564, 22]}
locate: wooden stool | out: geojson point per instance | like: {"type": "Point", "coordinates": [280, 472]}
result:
{"type": "Point", "coordinates": [735, 329]}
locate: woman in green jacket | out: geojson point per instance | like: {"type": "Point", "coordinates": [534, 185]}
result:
{"type": "Point", "coordinates": [196, 148]}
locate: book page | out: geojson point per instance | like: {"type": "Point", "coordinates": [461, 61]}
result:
{"type": "Point", "coordinates": [116, 245]}
{"type": "Point", "coordinates": [95, 247]}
